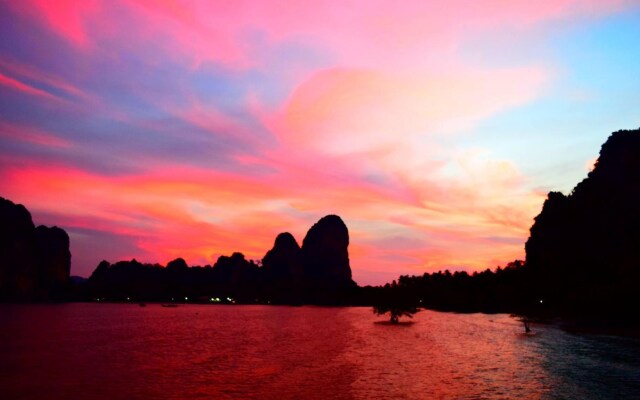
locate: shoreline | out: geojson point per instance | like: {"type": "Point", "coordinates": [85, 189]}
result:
{"type": "Point", "coordinates": [572, 325]}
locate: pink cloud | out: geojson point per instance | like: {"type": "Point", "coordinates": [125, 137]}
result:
{"type": "Point", "coordinates": [410, 35]}
{"type": "Point", "coordinates": [68, 18]}
{"type": "Point", "coordinates": [24, 88]}
{"type": "Point", "coordinates": [33, 74]}
{"type": "Point", "coordinates": [32, 135]}
{"type": "Point", "coordinates": [355, 33]}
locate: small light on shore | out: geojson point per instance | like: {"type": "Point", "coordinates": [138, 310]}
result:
{"type": "Point", "coordinates": [540, 301]}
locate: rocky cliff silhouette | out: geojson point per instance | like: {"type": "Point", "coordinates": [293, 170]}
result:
{"type": "Point", "coordinates": [325, 254]}
{"type": "Point", "coordinates": [583, 249]}
{"type": "Point", "coordinates": [322, 261]}
{"type": "Point", "coordinates": [283, 263]}
{"type": "Point", "coordinates": [316, 273]}
{"type": "Point", "coordinates": [34, 262]}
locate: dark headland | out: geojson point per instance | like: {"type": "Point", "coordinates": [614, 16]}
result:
{"type": "Point", "coordinates": [34, 261]}
{"type": "Point", "coordinates": [582, 261]}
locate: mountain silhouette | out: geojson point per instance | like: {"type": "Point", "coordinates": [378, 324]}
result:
{"type": "Point", "coordinates": [34, 262]}
{"type": "Point", "coordinates": [583, 247]}
{"type": "Point", "coordinates": [317, 273]}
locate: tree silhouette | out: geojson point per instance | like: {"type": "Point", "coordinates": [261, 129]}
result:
{"type": "Point", "coordinates": [395, 311]}
{"type": "Point", "coordinates": [397, 302]}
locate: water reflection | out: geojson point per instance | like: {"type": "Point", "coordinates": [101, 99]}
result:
{"type": "Point", "coordinates": [125, 351]}
{"type": "Point", "coordinates": [446, 355]}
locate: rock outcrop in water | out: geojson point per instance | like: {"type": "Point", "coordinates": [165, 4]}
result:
{"type": "Point", "coordinates": [34, 262]}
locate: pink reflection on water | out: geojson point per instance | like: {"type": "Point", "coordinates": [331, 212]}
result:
{"type": "Point", "coordinates": [122, 351]}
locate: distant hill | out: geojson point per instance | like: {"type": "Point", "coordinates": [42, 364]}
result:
{"type": "Point", "coordinates": [34, 262]}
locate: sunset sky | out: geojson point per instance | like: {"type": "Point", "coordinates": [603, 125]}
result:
{"type": "Point", "coordinates": [158, 129]}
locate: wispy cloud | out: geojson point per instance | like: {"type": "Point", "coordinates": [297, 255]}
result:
{"type": "Point", "coordinates": [24, 88]}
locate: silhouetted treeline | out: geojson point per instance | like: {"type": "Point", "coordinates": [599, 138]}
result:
{"type": "Point", "coordinates": [232, 276]}
{"type": "Point", "coordinates": [503, 290]}
{"type": "Point", "coordinates": [34, 262]}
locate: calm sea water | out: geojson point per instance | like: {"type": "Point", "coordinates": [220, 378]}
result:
{"type": "Point", "coordinates": [122, 351]}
